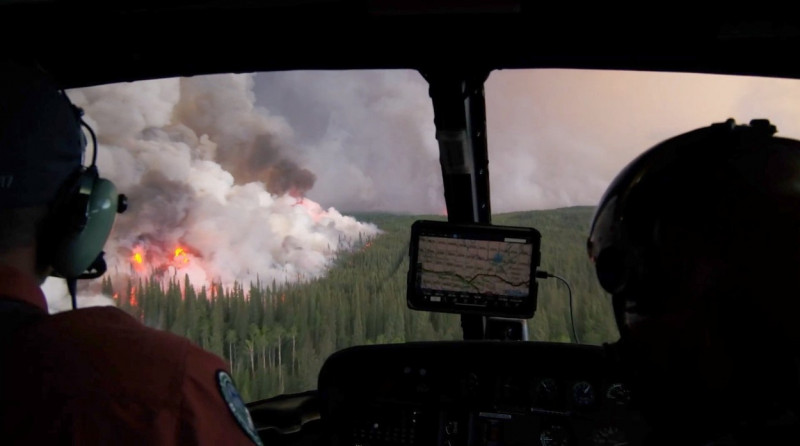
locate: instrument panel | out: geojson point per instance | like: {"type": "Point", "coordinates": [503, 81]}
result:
{"type": "Point", "coordinates": [477, 393]}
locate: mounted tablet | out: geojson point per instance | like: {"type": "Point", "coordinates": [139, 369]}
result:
{"type": "Point", "coordinates": [473, 269]}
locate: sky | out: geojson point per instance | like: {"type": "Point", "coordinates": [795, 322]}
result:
{"type": "Point", "coordinates": [556, 137]}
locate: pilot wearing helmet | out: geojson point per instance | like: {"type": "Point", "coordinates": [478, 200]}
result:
{"type": "Point", "coordinates": [698, 241]}
{"type": "Point", "coordinates": [94, 375]}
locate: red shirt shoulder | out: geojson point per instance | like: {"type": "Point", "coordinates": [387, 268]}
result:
{"type": "Point", "coordinates": [100, 376]}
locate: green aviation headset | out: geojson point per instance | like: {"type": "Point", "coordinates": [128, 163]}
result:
{"type": "Point", "coordinates": [80, 219]}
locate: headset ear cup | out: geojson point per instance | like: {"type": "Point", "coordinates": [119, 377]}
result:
{"type": "Point", "coordinates": [82, 244]}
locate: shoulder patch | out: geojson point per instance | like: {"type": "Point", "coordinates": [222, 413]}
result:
{"type": "Point", "coordinates": [236, 406]}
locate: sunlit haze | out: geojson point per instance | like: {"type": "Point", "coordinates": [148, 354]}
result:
{"type": "Point", "coordinates": [556, 137]}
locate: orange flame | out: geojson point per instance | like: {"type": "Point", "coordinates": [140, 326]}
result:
{"type": "Point", "coordinates": [181, 256]}
{"type": "Point", "coordinates": [137, 259]}
{"type": "Point", "coordinates": [133, 301]}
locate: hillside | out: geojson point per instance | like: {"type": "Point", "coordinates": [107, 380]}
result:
{"type": "Point", "coordinates": [276, 337]}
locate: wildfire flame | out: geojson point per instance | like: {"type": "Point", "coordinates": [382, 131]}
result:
{"type": "Point", "coordinates": [181, 257]}
{"type": "Point", "coordinates": [133, 301]}
{"type": "Point", "coordinates": [313, 208]}
{"type": "Point", "coordinates": [137, 260]}
{"type": "Point", "coordinates": [178, 257]}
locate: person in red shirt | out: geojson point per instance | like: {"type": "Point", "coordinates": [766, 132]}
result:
{"type": "Point", "coordinates": [93, 375]}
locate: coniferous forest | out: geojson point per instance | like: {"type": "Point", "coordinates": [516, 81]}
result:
{"type": "Point", "coordinates": [276, 336]}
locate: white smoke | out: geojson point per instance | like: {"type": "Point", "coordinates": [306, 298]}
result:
{"type": "Point", "coordinates": [58, 300]}
{"type": "Point", "coordinates": [210, 174]}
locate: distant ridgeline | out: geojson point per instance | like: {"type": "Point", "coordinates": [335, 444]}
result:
{"type": "Point", "coordinates": [277, 337]}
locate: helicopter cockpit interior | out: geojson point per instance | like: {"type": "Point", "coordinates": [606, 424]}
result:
{"type": "Point", "coordinates": [496, 387]}
{"type": "Point", "coordinates": [491, 389]}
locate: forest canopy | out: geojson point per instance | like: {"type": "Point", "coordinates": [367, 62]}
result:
{"type": "Point", "coordinates": [277, 336]}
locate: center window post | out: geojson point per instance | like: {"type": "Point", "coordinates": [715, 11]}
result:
{"type": "Point", "coordinates": [460, 117]}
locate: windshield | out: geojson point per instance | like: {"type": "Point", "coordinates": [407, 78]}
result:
{"type": "Point", "coordinates": [270, 213]}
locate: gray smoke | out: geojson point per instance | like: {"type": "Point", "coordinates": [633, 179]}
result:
{"type": "Point", "coordinates": [254, 146]}
{"type": "Point", "coordinates": [556, 137]}
{"type": "Point", "coordinates": [367, 135]}
{"type": "Point", "coordinates": [214, 183]}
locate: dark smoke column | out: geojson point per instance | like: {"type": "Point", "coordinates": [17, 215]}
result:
{"type": "Point", "coordinates": [251, 144]}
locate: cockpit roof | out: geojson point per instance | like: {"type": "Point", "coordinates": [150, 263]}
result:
{"type": "Point", "coordinates": [83, 43]}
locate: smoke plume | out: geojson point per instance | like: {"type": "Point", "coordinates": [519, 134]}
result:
{"type": "Point", "coordinates": [215, 184]}
{"type": "Point", "coordinates": [367, 133]}
{"type": "Point", "coordinates": [254, 145]}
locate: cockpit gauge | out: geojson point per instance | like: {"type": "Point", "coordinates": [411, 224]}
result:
{"type": "Point", "coordinates": [583, 394]}
{"type": "Point", "coordinates": [471, 385]}
{"type": "Point", "coordinates": [547, 392]}
{"type": "Point", "coordinates": [554, 436]}
{"type": "Point", "coordinates": [609, 436]}
{"type": "Point", "coordinates": [619, 394]}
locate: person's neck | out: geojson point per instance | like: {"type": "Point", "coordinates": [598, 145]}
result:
{"type": "Point", "coordinates": [22, 259]}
